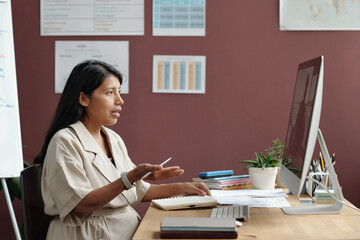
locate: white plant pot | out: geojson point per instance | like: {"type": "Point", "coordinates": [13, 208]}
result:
{"type": "Point", "coordinates": [263, 179]}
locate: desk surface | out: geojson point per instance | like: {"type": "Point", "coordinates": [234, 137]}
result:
{"type": "Point", "coordinates": [268, 223]}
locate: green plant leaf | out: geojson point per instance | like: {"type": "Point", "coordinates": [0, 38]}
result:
{"type": "Point", "coordinates": [26, 164]}
{"type": "Point", "coordinates": [273, 157]}
{"type": "Point", "coordinates": [14, 187]}
{"type": "Point", "coordinates": [294, 170]}
{"type": "Point", "coordinates": [248, 161]}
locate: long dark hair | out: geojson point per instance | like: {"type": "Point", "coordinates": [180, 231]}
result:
{"type": "Point", "coordinates": [85, 77]}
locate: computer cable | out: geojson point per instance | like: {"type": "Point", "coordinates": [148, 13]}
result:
{"type": "Point", "coordinates": [331, 194]}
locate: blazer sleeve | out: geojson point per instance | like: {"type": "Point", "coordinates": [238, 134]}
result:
{"type": "Point", "coordinates": [67, 183]}
{"type": "Point", "coordinates": [141, 186]}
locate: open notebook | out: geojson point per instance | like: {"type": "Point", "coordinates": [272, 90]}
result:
{"type": "Point", "coordinates": [184, 202]}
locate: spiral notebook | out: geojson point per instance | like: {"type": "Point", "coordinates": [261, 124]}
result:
{"type": "Point", "coordinates": [184, 202]}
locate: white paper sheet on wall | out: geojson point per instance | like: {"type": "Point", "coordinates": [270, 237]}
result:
{"type": "Point", "coordinates": [69, 53]}
{"type": "Point", "coordinates": [319, 15]}
{"type": "Point", "coordinates": [91, 17]}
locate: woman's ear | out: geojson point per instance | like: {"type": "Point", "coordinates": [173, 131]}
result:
{"type": "Point", "coordinates": [83, 100]}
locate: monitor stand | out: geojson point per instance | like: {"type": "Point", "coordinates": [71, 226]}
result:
{"type": "Point", "coordinates": [323, 209]}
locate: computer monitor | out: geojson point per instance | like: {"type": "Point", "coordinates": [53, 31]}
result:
{"type": "Point", "coordinates": [303, 130]}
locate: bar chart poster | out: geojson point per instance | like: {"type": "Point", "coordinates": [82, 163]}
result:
{"type": "Point", "coordinates": [179, 17]}
{"type": "Point", "coordinates": [179, 74]}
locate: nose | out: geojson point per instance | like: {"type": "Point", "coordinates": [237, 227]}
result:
{"type": "Point", "coordinates": [119, 100]}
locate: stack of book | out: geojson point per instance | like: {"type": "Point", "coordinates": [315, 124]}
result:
{"type": "Point", "coordinates": [323, 197]}
{"type": "Point", "coordinates": [195, 228]}
{"type": "Point", "coordinates": [226, 183]}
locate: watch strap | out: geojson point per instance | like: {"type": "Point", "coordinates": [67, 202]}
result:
{"type": "Point", "coordinates": [126, 181]}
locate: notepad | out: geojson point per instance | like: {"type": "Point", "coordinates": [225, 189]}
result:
{"type": "Point", "coordinates": [184, 202]}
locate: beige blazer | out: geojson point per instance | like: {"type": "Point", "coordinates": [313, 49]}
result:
{"type": "Point", "coordinates": [75, 165]}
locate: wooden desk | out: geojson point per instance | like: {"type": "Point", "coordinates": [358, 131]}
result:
{"type": "Point", "coordinates": [268, 223]}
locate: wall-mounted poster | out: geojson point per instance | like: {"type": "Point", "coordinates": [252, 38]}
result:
{"type": "Point", "coordinates": [179, 74]}
{"type": "Point", "coordinates": [179, 17]}
{"type": "Point", "coordinates": [319, 15]}
{"type": "Point", "coordinates": [91, 17]}
{"type": "Point", "coordinates": [69, 53]}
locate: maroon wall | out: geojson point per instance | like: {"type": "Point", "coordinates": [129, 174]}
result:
{"type": "Point", "coordinates": [250, 76]}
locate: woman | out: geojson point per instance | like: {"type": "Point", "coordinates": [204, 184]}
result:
{"type": "Point", "coordinates": [89, 183]}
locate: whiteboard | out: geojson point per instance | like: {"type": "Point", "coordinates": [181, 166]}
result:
{"type": "Point", "coordinates": [11, 159]}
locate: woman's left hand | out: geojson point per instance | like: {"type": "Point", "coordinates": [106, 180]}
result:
{"type": "Point", "coordinates": [165, 173]}
{"type": "Point", "coordinates": [176, 189]}
{"type": "Point", "coordinates": [194, 188]}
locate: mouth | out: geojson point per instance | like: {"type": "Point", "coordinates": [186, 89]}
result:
{"type": "Point", "coordinates": [116, 113]}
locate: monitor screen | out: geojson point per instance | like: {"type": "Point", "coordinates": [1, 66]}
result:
{"type": "Point", "coordinates": [297, 136]}
{"type": "Point", "coordinates": [302, 133]}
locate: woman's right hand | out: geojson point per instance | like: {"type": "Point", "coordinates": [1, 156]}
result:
{"type": "Point", "coordinates": [137, 173]}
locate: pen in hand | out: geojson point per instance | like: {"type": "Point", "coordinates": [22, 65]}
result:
{"type": "Point", "coordinates": [161, 164]}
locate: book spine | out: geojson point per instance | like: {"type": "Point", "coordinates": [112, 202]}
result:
{"type": "Point", "coordinates": [232, 178]}
{"type": "Point", "coordinates": [224, 182]}
{"type": "Point", "coordinates": [235, 181]}
{"type": "Point", "coordinates": [238, 187]}
{"type": "Point", "coordinates": [228, 186]}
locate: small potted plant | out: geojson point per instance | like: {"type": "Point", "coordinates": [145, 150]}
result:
{"type": "Point", "coordinates": [263, 170]}
{"type": "Point", "coordinates": [277, 149]}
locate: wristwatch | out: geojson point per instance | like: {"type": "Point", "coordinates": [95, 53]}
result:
{"type": "Point", "coordinates": [126, 181]}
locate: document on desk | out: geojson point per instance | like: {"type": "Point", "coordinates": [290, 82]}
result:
{"type": "Point", "coordinates": [252, 197]}
{"type": "Point", "coordinates": [254, 193]}
{"type": "Point", "coordinates": [276, 202]}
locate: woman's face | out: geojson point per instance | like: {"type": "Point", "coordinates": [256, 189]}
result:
{"type": "Point", "coordinates": [104, 106]}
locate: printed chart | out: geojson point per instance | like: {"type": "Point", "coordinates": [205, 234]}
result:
{"type": "Point", "coordinates": [179, 74]}
{"type": "Point", "coordinates": [179, 17]}
{"type": "Point", "coordinates": [92, 17]}
{"type": "Point", "coordinates": [69, 53]}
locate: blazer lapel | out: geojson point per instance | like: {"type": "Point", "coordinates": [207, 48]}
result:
{"type": "Point", "coordinates": [100, 161]}
{"type": "Point", "coordinates": [117, 153]}
{"type": "Point", "coordinates": [106, 168]}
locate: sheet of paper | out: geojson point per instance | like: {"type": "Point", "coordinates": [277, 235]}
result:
{"type": "Point", "coordinates": [277, 202]}
{"type": "Point", "coordinates": [11, 161]}
{"type": "Point", "coordinates": [235, 200]}
{"type": "Point", "coordinates": [178, 74]}
{"type": "Point", "coordinates": [179, 17]}
{"type": "Point", "coordinates": [69, 53]}
{"type": "Point", "coordinates": [249, 193]}
{"type": "Point", "coordinates": [91, 17]}
{"type": "Point", "coordinates": [319, 15]}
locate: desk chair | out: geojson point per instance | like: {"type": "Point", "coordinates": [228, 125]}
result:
{"type": "Point", "coordinates": [36, 222]}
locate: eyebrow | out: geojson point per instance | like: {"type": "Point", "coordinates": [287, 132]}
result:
{"type": "Point", "coordinates": [112, 88]}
